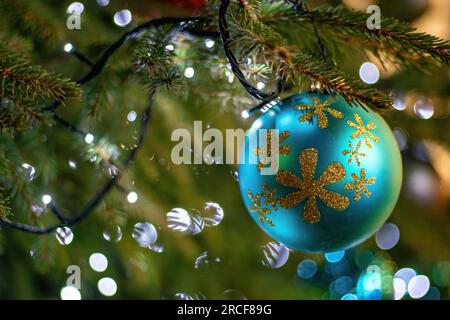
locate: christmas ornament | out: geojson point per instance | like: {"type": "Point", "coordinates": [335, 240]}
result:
{"type": "Point", "coordinates": [339, 174]}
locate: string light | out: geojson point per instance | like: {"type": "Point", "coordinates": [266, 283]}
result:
{"type": "Point", "coordinates": [46, 199]}
{"type": "Point", "coordinates": [72, 164]}
{"type": "Point", "coordinates": [189, 72]}
{"type": "Point", "coordinates": [131, 116]}
{"type": "Point", "coordinates": [260, 85]}
{"type": "Point", "coordinates": [89, 138]}
{"type": "Point", "coordinates": [209, 43]}
{"type": "Point", "coordinates": [68, 47]}
{"type": "Point", "coordinates": [132, 197]}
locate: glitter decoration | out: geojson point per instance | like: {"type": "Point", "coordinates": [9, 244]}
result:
{"type": "Point", "coordinates": [354, 153]}
{"type": "Point", "coordinates": [312, 189]}
{"type": "Point", "coordinates": [265, 153]}
{"type": "Point", "coordinates": [360, 185]}
{"type": "Point", "coordinates": [363, 131]}
{"type": "Point", "coordinates": [261, 212]}
{"type": "Point", "coordinates": [270, 197]}
{"type": "Point", "coordinates": [319, 109]}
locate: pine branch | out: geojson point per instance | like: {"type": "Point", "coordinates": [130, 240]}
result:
{"type": "Point", "coordinates": [31, 18]}
{"type": "Point", "coordinates": [19, 80]}
{"type": "Point", "coordinates": [395, 38]}
{"type": "Point", "coordinates": [5, 210]}
{"type": "Point", "coordinates": [17, 116]}
{"type": "Point", "coordinates": [333, 80]}
{"type": "Point", "coordinates": [254, 37]}
{"type": "Point", "coordinates": [156, 64]}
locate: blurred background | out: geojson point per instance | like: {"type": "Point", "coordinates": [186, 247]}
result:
{"type": "Point", "coordinates": [115, 248]}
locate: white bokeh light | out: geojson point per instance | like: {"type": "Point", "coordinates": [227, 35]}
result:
{"type": "Point", "coordinates": [406, 274]}
{"type": "Point", "coordinates": [424, 108]}
{"type": "Point", "coordinates": [260, 85]}
{"type": "Point", "coordinates": [70, 293]}
{"type": "Point", "coordinates": [46, 199]}
{"type": "Point", "coordinates": [68, 47]}
{"type": "Point", "coordinates": [64, 235]}
{"type": "Point", "coordinates": [31, 171]}
{"type": "Point", "coordinates": [209, 43]}
{"type": "Point", "coordinates": [122, 17]}
{"type": "Point", "coordinates": [418, 286]}
{"type": "Point", "coordinates": [132, 116]}
{"type": "Point", "coordinates": [75, 8]}
{"type": "Point", "coordinates": [132, 197]}
{"type": "Point", "coordinates": [189, 72]}
{"type": "Point", "coordinates": [399, 288]}
{"type": "Point", "coordinates": [107, 287]}
{"type": "Point", "coordinates": [89, 138]}
{"type": "Point", "coordinates": [369, 73]}
{"type": "Point", "coordinates": [72, 164]}
{"type": "Point", "coordinates": [245, 114]}
{"type": "Point", "coordinates": [388, 236]}
{"type": "Point", "coordinates": [98, 262]}
{"type": "Point", "coordinates": [170, 47]}
{"type": "Point", "coordinates": [400, 105]}
{"type": "Point", "coordinates": [103, 3]}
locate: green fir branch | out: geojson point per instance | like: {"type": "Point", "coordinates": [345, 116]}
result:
{"type": "Point", "coordinates": [333, 80]}
{"type": "Point", "coordinates": [395, 38]}
{"type": "Point", "coordinates": [17, 116]}
{"type": "Point", "coordinates": [5, 210]}
{"type": "Point", "coordinates": [32, 18]}
{"type": "Point", "coordinates": [20, 80]}
{"type": "Point", "coordinates": [155, 63]}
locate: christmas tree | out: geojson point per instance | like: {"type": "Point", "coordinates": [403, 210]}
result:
{"type": "Point", "coordinates": [93, 205]}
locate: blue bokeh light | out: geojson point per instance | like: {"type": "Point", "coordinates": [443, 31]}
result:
{"type": "Point", "coordinates": [334, 257]}
{"type": "Point", "coordinates": [306, 269]}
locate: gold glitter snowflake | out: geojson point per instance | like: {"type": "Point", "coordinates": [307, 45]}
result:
{"type": "Point", "coordinates": [270, 197]}
{"type": "Point", "coordinates": [257, 208]}
{"type": "Point", "coordinates": [354, 152]}
{"type": "Point", "coordinates": [319, 109]}
{"type": "Point", "coordinates": [360, 185]}
{"type": "Point", "coordinates": [312, 189]}
{"type": "Point", "coordinates": [264, 153]}
{"type": "Point", "coordinates": [363, 131]}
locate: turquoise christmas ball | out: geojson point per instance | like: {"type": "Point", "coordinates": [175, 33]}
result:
{"type": "Point", "coordinates": [338, 178]}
